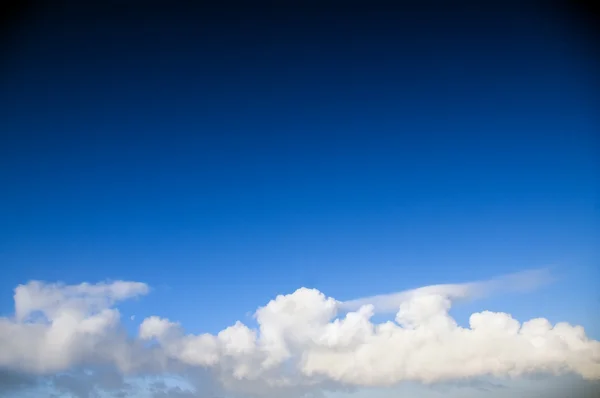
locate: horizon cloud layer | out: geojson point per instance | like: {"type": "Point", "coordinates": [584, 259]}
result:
{"type": "Point", "coordinates": [304, 340]}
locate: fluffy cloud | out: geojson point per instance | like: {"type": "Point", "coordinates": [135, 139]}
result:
{"type": "Point", "coordinates": [56, 327]}
{"type": "Point", "coordinates": [303, 340]}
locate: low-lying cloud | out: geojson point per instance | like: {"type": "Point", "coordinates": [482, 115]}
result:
{"type": "Point", "coordinates": [304, 340]}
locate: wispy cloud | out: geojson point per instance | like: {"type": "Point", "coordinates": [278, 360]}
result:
{"type": "Point", "coordinates": [517, 282]}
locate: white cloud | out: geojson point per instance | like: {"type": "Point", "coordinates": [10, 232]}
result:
{"type": "Point", "coordinates": [50, 299]}
{"type": "Point", "coordinates": [517, 282]}
{"type": "Point", "coordinates": [303, 340]}
{"type": "Point", "coordinates": [56, 326]}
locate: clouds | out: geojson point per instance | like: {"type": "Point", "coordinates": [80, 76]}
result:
{"type": "Point", "coordinates": [13, 381]}
{"type": "Point", "coordinates": [518, 282]}
{"type": "Point", "coordinates": [82, 384]}
{"type": "Point", "coordinates": [52, 299]}
{"type": "Point", "coordinates": [304, 340]}
{"type": "Point", "coordinates": [56, 327]}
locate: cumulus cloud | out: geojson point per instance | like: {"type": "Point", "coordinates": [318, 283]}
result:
{"type": "Point", "coordinates": [58, 326]}
{"type": "Point", "coordinates": [53, 299]}
{"type": "Point", "coordinates": [303, 340]}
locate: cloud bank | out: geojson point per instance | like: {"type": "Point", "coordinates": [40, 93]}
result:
{"type": "Point", "coordinates": [304, 340]}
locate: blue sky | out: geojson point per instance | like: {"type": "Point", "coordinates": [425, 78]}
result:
{"type": "Point", "coordinates": [225, 162]}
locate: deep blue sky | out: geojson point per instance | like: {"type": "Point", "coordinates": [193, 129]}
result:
{"type": "Point", "coordinates": [227, 156]}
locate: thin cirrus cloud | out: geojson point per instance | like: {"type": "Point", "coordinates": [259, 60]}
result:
{"type": "Point", "coordinates": [516, 282]}
{"type": "Point", "coordinates": [304, 340]}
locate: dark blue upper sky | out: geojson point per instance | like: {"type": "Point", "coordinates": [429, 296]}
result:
{"type": "Point", "coordinates": [245, 153]}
